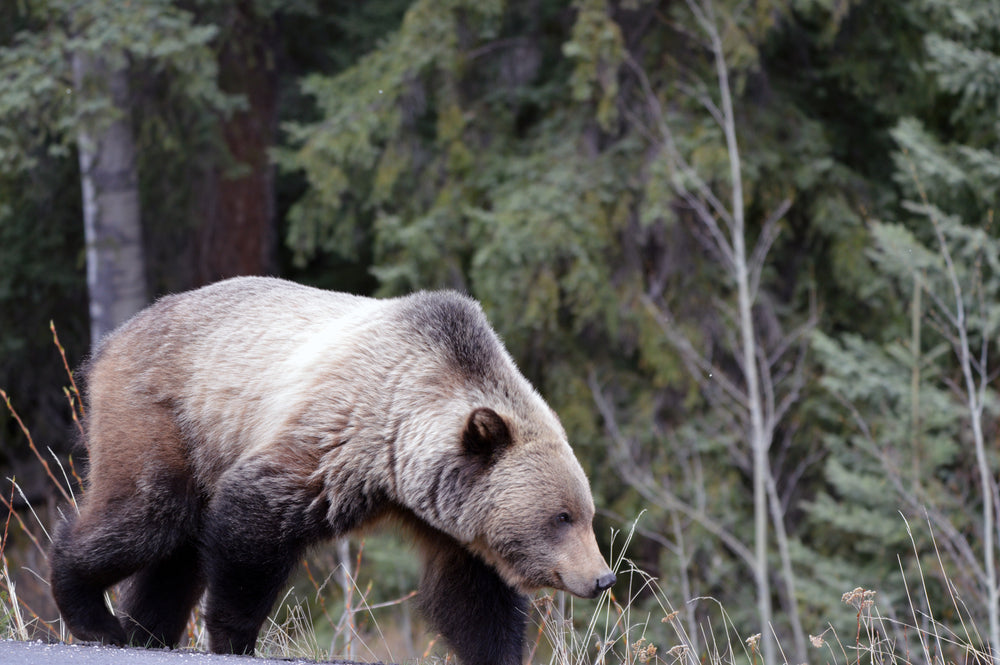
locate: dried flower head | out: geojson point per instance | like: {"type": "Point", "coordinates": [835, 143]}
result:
{"type": "Point", "coordinates": [817, 640]}
{"type": "Point", "coordinates": [753, 642]}
{"type": "Point", "coordinates": [850, 596]}
{"type": "Point", "coordinates": [678, 651]}
{"type": "Point", "coordinates": [543, 601]}
{"type": "Point", "coordinates": [860, 598]}
{"type": "Point", "coordinates": [670, 617]}
{"type": "Point", "coordinates": [644, 651]}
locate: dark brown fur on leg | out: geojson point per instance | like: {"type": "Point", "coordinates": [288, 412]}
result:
{"type": "Point", "coordinates": [84, 563]}
{"type": "Point", "coordinates": [480, 616]}
{"type": "Point", "coordinates": [254, 531]}
{"type": "Point", "coordinates": [115, 536]}
{"type": "Point", "coordinates": [78, 583]}
{"type": "Point", "coordinates": [157, 601]}
{"type": "Point", "coordinates": [241, 594]}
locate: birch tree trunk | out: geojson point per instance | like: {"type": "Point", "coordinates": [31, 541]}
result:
{"type": "Point", "coordinates": [752, 395]}
{"type": "Point", "coordinates": [760, 433]}
{"type": "Point", "coordinates": [975, 397]}
{"type": "Point", "coordinates": [116, 271]}
{"type": "Point", "coordinates": [345, 576]}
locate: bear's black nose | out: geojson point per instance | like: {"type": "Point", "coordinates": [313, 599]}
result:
{"type": "Point", "coordinates": [605, 581]}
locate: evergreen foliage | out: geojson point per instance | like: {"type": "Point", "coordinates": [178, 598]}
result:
{"type": "Point", "coordinates": [38, 108]}
{"type": "Point", "coordinates": [919, 395]}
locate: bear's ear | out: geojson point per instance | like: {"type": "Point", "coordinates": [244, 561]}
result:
{"type": "Point", "coordinates": [486, 433]}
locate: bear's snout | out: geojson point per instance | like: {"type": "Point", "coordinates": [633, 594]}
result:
{"type": "Point", "coordinates": [588, 586]}
{"type": "Point", "coordinates": [587, 576]}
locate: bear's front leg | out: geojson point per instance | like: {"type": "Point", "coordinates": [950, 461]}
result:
{"type": "Point", "coordinates": [480, 616]}
{"type": "Point", "coordinates": [254, 532]}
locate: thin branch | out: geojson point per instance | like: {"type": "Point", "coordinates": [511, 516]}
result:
{"type": "Point", "coordinates": [918, 503]}
{"type": "Point", "coordinates": [975, 402]}
{"type": "Point", "coordinates": [705, 18]}
{"type": "Point", "coordinates": [705, 101]}
{"type": "Point", "coordinates": [941, 309]}
{"type": "Point", "coordinates": [703, 191]}
{"type": "Point", "coordinates": [707, 218]}
{"type": "Point", "coordinates": [792, 394]}
{"type": "Point", "coordinates": [687, 350]}
{"type": "Point", "coordinates": [654, 491]}
{"type": "Point", "coordinates": [31, 444]}
{"type": "Point", "coordinates": [768, 234]}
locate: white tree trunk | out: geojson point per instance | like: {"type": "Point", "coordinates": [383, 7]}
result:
{"type": "Point", "coordinates": [116, 271]}
{"type": "Point", "coordinates": [976, 402]}
{"type": "Point", "coordinates": [725, 227]}
{"type": "Point", "coordinates": [760, 433]}
{"type": "Point", "coordinates": [975, 394]}
{"type": "Point", "coordinates": [345, 576]}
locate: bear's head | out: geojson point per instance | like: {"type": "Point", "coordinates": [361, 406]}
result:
{"type": "Point", "coordinates": [532, 504]}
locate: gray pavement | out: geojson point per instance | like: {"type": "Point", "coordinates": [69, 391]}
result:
{"type": "Point", "coordinates": [40, 653]}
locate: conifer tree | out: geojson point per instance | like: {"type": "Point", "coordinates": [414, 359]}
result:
{"type": "Point", "coordinates": [923, 408]}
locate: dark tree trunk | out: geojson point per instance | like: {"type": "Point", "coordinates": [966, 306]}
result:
{"type": "Point", "coordinates": [237, 235]}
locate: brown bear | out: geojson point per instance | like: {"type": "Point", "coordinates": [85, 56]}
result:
{"type": "Point", "coordinates": [231, 427]}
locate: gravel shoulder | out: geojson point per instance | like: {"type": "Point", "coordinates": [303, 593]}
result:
{"type": "Point", "coordinates": [40, 653]}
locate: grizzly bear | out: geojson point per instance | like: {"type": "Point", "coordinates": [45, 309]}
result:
{"type": "Point", "coordinates": [231, 427]}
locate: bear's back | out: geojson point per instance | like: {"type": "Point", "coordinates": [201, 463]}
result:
{"type": "Point", "coordinates": [239, 360]}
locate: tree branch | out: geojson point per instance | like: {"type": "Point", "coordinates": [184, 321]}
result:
{"type": "Point", "coordinates": [653, 491]}
{"type": "Point", "coordinates": [768, 234]}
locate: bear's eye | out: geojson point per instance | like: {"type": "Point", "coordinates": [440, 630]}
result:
{"type": "Point", "coordinates": [564, 518]}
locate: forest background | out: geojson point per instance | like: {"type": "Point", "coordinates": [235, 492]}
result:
{"type": "Point", "coordinates": [744, 248]}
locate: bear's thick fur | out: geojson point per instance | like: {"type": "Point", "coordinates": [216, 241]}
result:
{"type": "Point", "coordinates": [231, 427]}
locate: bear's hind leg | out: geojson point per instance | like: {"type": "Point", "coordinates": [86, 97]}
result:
{"type": "Point", "coordinates": [156, 602]}
{"type": "Point", "coordinates": [82, 567]}
{"type": "Point", "coordinates": [141, 502]}
{"type": "Point", "coordinates": [114, 536]}
{"type": "Point", "coordinates": [480, 616]}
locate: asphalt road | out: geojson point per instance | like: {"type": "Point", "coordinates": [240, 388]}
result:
{"type": "Point", "coordinates": [40, 653]}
